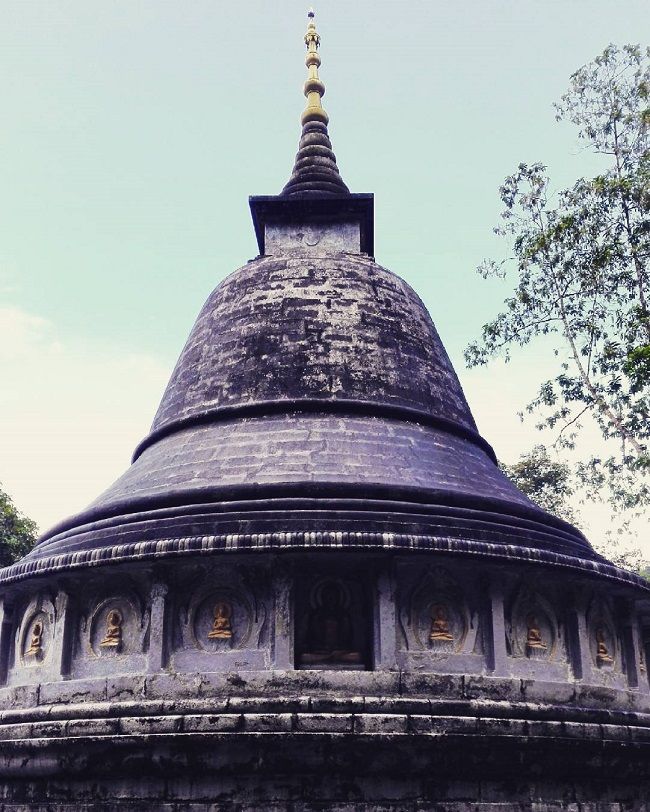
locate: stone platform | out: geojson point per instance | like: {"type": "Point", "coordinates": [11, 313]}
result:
{"type": "Point", "coordinates": [531, 693]}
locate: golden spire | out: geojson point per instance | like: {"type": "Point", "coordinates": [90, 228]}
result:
{"type": "Point", "coordinates": [315, 171]}
{"type": "Point", "coordinates": [314, 88]}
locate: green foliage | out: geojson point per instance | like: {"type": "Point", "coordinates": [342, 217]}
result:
{"type": "Point", "coordinates": [17, 532]}
{"type": "Point", "coordinates": [581, 276]}
{"type": "Point", "coordinates": [552, 484]}
{"type": "Point", "coordinates": [544, 480]}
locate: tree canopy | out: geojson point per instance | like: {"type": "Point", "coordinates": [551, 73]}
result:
{"type": "Point", "coordinates": [17, 532]}
{"type": "Point", "coordinates": [581, 268]}
{"type": "Point", "coordinates": [545, 480]}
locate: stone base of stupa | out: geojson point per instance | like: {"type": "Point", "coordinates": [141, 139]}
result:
{"type": "Point", "coordinates": [185, 683]}
{"type": "Point", "coordinates": [323, 740]}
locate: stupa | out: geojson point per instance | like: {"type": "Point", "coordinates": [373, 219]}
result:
{"type": "Point", "coordinates": [314, 588]}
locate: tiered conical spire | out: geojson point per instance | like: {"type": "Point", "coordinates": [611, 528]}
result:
{"type": "Point", "coordinates": [315, 171]}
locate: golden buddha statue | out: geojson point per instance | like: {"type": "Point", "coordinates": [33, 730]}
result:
{"type": "Point", "coordinates": [36, 643]}
{"type": "Point", "coordinates": [329, 632]}
{"type": "Point", "coordinates": [113, 636]}
{"type": "Point", "coordinates": [440, 630]}
{"type": "Point", "coordinates": [222, 627]}
{"type": "Point", "coordinates": [603, 657]}
{"type": "Point", "coordinates": [534, 639]}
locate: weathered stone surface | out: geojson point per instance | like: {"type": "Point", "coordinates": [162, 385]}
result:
{"type": "Point", "coordinates": [336, 326]}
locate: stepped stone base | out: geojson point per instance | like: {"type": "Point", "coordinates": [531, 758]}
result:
{"type": "Point", "coordinates": [201, 683]}
{"type": "Point", "coordinates": [311, 740]}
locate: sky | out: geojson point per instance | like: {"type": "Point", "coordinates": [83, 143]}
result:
{"type": "Point", "coordinates": [133, 133]}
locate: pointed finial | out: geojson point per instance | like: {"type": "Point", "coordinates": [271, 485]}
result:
{"type": "Point", "coordinates": [315, 170]}
{"type": "Point", "coordinates": [314, 88]}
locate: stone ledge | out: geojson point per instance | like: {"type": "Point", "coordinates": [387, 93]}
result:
{"type": "Point", "coordinates": [177, 703]}
{"type": "Point", "coordinates": [337, 724]}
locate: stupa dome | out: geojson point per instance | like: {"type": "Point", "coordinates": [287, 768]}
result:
{"type": "Point", "coordinates": [320, 377]}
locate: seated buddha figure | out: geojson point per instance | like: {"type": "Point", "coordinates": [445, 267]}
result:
{"type": "Point", "coordinates": [222, 627]}
{"type": "Point", "coordinates": [440, 630]}
{"type": "Point", "coordinates": [113, 636]}
{"type": "Point", "coordinates": [329, 632]}
{"type": "Point", "coordinates": [603, 657]}
{"type": "Point", "coordinates": [534, 639]}
{"type": "Point", "coordinates": [36, 642]}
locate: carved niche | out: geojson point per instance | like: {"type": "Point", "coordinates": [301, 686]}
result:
{"type": "Point", "coordinates": [36, 631]}
{"type": "Point", "coordinates": [436, 617]}
{"type": "Point", "coordinates": [331, 627]}
{"type": "Point", "coordinates": [603, 639]}
{"type": "Point", "coordinates": [222, 614]}
{"type": "Point", "coordinates": [532, 630]}
{"type": "Point", "coordinates": [115, 626]}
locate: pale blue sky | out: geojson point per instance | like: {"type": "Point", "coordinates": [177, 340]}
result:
{"type": "Point", "coordinates": [133, 133]}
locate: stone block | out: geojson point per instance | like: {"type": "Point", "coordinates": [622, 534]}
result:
{"type": "Point", "coordinates": [268, 722]}
{"type": "Point", "coordinates": [72, 691]}
{"type": "Point", "coordinates": [598, 696]}
{"type": "Point", "coordinates": [24, 696]}
{"type": "Point", "coordinates": [579, 730]}
{"type": "Point", "coordinates": [501, 727]}
{"type": "Point", "coordinates": [497, 688]}
{"type": "Point", "coordinates": [146, 725]}
{"type": "Point", "coordinates": [431, 685]}
{"type": "Point", "coordinates": [553, 692]}
{"type": "Point", "coordinates": [278, 704]}
{"type": "Point", "coordinates": [213, 723]}
{"type": "Point", "coordinates": [333, 704]}
{"type": "Point", "coordinates": [639, 734]}
{"type": "Point", "coordinates": [419, 724]}
{"type": "Point", "coordinates": [391, 704]}
{"type": "Point", "coordinates": [17, 731]}
{"type": "Point", "coordinates": [93, 727]}
{"type": "Point", "coordinates": [544, 729]}
{"type": "Point", "coordinates": [171, 686]}
{"type": "Point", "coordinates": [125, 688]}
{"type": "Point", "coordinates": [323, 722]}
{"type": "Point", "coordinates": [379, 723]}
{"type": "Point", "coordinates": [620, 733]}
{"type": "Point", "coordinates": [443, 725]}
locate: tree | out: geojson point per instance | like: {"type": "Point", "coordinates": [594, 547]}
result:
{"type": "Point", "coordinates": [17, 532]}
{"type": "Point", "coordinates": [581, 262]}
{"type": "Point", "coordinates": [545, 480]}
{"type": "Point", "coordinates": [551, 484]}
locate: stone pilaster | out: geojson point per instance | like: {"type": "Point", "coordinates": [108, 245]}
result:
{"type": "Point", "coordinates": [283, 628]}
{"type": "Point", "coordinates": [632, 649]}
{"type": "Point", "coordinates": [578, 637]}
{"type": "Point", "coordinates": [63, 640]}
{"type": "Point", "coordinates": [495, 626]}
{"type": "Point", "coordinates": [157, 654]}
{"type": "Point", "coordinates": [385, 625]}
{"type": "Point", "coordinates": [6, 628]}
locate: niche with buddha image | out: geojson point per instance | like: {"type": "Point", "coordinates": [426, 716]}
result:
{"type": "Point", "coordinates": [434, 618]}
{"type": "Point", "coordinates": [220, 620]}
{"type": "Point", "coordinates": [34, 640]}
{"type": "Point", "coordinates": [533, 630]}
{"type": "Point", "coordinates": [332, 625]}
{"type": "Point", "coordinates": [603, 638]}
{"type": "Point", "coordinates": [115, 627]}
